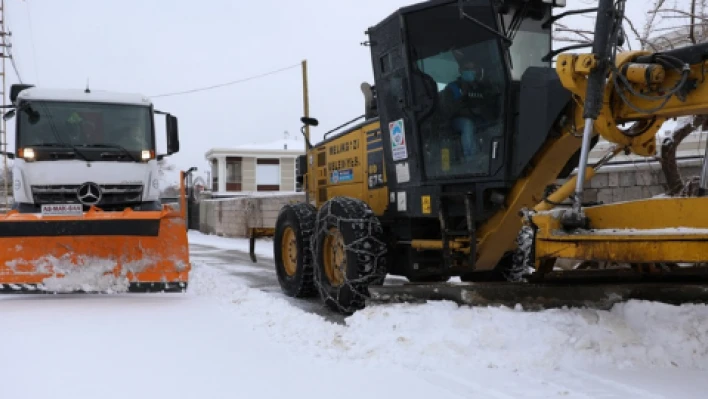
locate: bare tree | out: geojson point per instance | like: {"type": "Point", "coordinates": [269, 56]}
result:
{"type": "Point", "coordinates": [667, 25]}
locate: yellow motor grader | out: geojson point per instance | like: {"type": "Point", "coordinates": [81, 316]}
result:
{"type": "Point", "coordinates": [467, 125]}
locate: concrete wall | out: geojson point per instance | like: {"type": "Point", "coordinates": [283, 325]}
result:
{"type": "Point", "coordinates": [630, 177]}
{"type": "Point", "coordinates": [637, 182]}
{"type": "Point", "coordinates": [625, 178]}
{"type": "Point", "coordinates": [232, 217]}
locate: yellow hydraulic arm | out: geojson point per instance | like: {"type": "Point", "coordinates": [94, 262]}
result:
{"type": "Point", "coordinates": [643, 90]}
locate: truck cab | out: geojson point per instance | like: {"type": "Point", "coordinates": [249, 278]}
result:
{"type": "Point", "coordinates": [75, 149]}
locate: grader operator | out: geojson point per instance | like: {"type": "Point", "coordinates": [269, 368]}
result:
{"type": "Point", "coordinates": [469, 125]}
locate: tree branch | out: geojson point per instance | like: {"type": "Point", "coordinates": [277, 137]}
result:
{"type": "Point", "coordinates": [682, 14]}
{"type": "Point", "coordinates": [669, 166]}
{"type": "Point", "coordinates": [565, 39]}
{"type": "Point", "coordinates": [649, 25]}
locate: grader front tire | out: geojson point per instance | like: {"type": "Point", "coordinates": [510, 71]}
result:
{"type": "Point", "coordinates": [349, 253]}
{"type": "Point", "coordinates": [292, 250]}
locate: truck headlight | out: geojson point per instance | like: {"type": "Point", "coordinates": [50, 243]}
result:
{"type": "Point", "coordinates": [147, 155]}
{"type": "Point", "coordinates": [27, 154]}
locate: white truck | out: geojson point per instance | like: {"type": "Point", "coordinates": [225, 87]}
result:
{"type": "Point", "coordinates": [78, 148]}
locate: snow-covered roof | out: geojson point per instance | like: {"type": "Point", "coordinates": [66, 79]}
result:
{"type": "Point", "coordinates": [284, 144]}
{"type": "Point", "coordinates": [97, 96]}
{"type": "Point", "coordinates": [286, 147]}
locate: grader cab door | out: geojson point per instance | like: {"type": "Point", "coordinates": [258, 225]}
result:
{"type": "Point", "coordinates": [442, 85]}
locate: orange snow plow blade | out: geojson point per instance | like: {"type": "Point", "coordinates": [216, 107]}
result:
{"type": "Point", "coordinates": [100, 251]}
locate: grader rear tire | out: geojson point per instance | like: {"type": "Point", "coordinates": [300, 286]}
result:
{"type": "Point", "coordinates": [292, 250]}
{"type": "Point", "coordinates": [349, 253]}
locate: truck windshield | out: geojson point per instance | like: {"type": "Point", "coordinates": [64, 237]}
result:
{"type": "Point", "coordinates": [91, 124]}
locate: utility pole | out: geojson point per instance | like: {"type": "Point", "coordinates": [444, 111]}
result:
{"type": "Point", "coordinates": [309, 182]}
{"type": "Point", "coordinates": [3, 133]}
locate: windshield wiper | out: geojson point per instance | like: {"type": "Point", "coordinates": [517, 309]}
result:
{"type": "Point", "coordinates": [464, 15]}
{"type": "Point", "coordinates": [60, 145]}
{"type": "Point", "coordinates": [114, 146]}
{"type": "Point", "coordinates": [55, 132]}
{"type": "Point", "coordinates": [50, 145]}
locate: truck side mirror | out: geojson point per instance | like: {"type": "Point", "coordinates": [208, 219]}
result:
{"type": "Point", "coordinates": [172, 135]}
{"type": "Point", "coordinates": [16, 89]}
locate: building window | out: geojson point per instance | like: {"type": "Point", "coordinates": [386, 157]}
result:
{"type": "Point", "coordinates": [298, 186]}
{"type": "Point", "coordinates": [268, 175]}
{"type": "Point", "coordinates": [233, 173]}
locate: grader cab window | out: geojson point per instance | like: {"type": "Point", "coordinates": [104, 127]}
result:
{"type": "Point", "coordinates": [530, 44]}
{"type": "Point", "coordinates": [458, 70]}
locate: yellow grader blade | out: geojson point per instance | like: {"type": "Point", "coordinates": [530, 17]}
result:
{"type": "Point", "coordinates": [97, 252]}
{"type": "Point", "coordinates": [655, 230]}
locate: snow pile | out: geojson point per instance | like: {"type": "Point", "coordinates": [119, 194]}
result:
{"type": "Point", "coordinates": [292, 145]}
{"type": "Point", "coordinates": [441, 335]}
{"type": "Point", "coordinates": [225, 339]}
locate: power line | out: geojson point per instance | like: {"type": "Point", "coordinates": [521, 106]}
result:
{"type": "Point", "coordinates": [8, 45]}
{"type": "Point", "coordinates": [34, 51]}
{"type": "Point", "coordinates": [12, 61]}
{"type": "Point", "coordinates": [227, 83]}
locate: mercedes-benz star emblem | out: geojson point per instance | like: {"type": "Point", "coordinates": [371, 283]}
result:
{"type": "Point", "coordinates": [89, 194]}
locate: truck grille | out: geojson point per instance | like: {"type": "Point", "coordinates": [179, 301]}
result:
{"type": "Point", "coordinates": [112, 194]}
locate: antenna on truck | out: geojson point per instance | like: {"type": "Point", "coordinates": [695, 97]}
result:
{"type": "Point", "coordinates": [87, 86]}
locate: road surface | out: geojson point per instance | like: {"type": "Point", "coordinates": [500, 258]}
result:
{"type": "Point", "coordinates": [259, 275]}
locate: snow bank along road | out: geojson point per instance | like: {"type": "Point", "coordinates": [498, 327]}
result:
{"type": "Point", "coordinates": [230, 337]}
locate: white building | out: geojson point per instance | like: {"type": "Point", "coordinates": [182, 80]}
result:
{"type": "Point", "coordinates": [255, 167]}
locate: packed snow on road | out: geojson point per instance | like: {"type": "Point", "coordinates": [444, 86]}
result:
{"type": "Point", "coordinates": [225, 339]}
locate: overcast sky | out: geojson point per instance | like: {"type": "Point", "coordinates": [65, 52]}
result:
{"type": "Point", "coordinates": [156, 47]}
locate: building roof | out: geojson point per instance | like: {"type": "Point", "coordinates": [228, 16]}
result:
{"type": "Point", "coordinates": [282, 147]}
{"type": "Point", "coordinates": [284, 144]}
{"type": "Point", "coordinates": [96, 96]}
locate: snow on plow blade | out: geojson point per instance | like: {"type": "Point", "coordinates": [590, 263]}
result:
{"type": "Point", "coordinates": [97, 252]}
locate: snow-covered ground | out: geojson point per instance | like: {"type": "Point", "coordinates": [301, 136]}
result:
{"type": "Point", "coordinates": [224, 339]}
{"type": "Point", "coordinates": [264, 246]}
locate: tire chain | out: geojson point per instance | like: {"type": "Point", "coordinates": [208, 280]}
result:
{"type": "Point", "coordinates": [522, 260]}
{"type": "Point", "coordinates": [306, 214]}
{"type": "Point", "coordinates": [371, 251]}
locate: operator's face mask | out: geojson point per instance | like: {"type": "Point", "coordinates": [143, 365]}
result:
{"type": "Point", "coordinates": [468, 75]}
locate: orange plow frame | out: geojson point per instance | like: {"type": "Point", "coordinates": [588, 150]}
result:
{"type": "Point", "coordinates": [127, 251]}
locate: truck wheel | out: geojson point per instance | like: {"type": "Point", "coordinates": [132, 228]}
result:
{"type": "Point", "coordinates": [350, 253]}
{"type": "Point", "coordinates": [292, 249]}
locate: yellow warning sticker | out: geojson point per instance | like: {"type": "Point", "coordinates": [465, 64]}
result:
{"type": "Point", "coordinates": [425, 204]}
